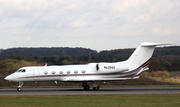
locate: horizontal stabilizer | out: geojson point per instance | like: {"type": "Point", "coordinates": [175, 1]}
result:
{"type": "Point", "coordinates": [153, 44]}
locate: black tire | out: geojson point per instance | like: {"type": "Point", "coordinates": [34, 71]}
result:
{"type": "Point", "coordinates": [19, 89]}
{"type": "Point", "coordinates": [86, 87]}
{"type": "Point", "coordinates": [96, 88]}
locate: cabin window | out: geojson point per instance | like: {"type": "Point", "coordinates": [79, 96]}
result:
{"type": "Point", "coordinates": [23, 70]}
{"type": "Point", "coordinates": [83, 71]}
{"type": "Point", "coordinates": [68, 72]}
{"type": "Point", "coordinates": [53, 72]}
{"type": "Point", "coordinates": [60, 72]}
{"type": "Point", "coordinates": [45, 72]}
{"type": "Point", "coordinates": [75, 71]}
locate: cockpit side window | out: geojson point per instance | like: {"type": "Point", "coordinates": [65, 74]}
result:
{"type": "Point", "coordinates": [23, 70]}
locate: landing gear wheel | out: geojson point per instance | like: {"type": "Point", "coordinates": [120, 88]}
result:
{"type": "Point", "coordinates": [86, 87]}
{"type": "Point", "coordinates": [96, 88]}
{"type": "Point", "coordinates": [19, 89]}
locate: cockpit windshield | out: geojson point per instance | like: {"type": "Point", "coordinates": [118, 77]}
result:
{"type": "Point", "coordinates": [21, 70]}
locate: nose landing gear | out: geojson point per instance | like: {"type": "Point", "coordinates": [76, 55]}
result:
{"type": "Point", "coordinates": [19, 87]}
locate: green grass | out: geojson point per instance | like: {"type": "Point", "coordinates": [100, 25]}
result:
{"type": "Point", "coordinates": [153, 100]}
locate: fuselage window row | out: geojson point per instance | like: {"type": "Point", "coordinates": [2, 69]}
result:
{"type": "Point", "coordinates": [68, 72]}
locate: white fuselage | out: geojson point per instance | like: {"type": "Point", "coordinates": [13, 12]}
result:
{"type": "Point", "coordinates": [76, 73]}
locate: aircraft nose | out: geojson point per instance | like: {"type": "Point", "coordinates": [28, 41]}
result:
{"type": "Point", "coordinates": [8, 78]}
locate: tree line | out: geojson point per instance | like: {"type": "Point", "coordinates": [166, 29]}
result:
{"type": "Point", "coordinates": [44, 52]}
{"type": "Point", "coordinates": [164, 58]}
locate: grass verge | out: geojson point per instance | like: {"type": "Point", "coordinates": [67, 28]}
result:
{"type": "Point", "coordinates": [155, 100]}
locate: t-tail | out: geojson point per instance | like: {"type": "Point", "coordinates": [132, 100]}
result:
{"type": "Point", "coordinates": [140, 58]}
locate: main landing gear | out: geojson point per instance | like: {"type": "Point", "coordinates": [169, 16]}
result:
{"type": "Point", "coordinates": [87, 87]}
{"type": "Point", "coordinates": [95, 86]}
{"type": "Point", "coordinates": [19, 87]}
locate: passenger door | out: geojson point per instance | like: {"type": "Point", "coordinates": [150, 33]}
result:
{"type": "Point", "coordinates": [36, 74]}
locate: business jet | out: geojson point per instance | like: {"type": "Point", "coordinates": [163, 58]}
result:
{"type": "Point", "coordinates": [92, 72]}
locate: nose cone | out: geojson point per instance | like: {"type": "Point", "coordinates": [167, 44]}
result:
{"type": "Point", "coordinates": [9, 78]}
{"type": "Point", "coordinates": [6, 78]}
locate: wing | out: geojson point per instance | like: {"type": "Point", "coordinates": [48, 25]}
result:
{"type": "Point", "coordinates": [101, 79]}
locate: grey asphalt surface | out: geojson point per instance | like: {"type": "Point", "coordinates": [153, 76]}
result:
{"type": "Point", "coordinates": [80, 91]}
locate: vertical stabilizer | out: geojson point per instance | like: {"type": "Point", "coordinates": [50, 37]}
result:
{"type": "Point", "coordinates": [142, 54]}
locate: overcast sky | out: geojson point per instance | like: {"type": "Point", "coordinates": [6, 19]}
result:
{"type": "Point", "coordinates": [96, 24]}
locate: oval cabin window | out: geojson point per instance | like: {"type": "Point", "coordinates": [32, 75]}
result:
{"type": "Point", "coordinates": [68, 72]}
{"type": "Point", "coordinates": [75, 71]}
{"type": "Point", "coordinates": [60, 72]}
{"type": "Point", "coordinates": [83, 71]}
{"type": "Point", "coordinates": [45, 72]}
{"type": "Point", "coordinates": [53, 72]}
